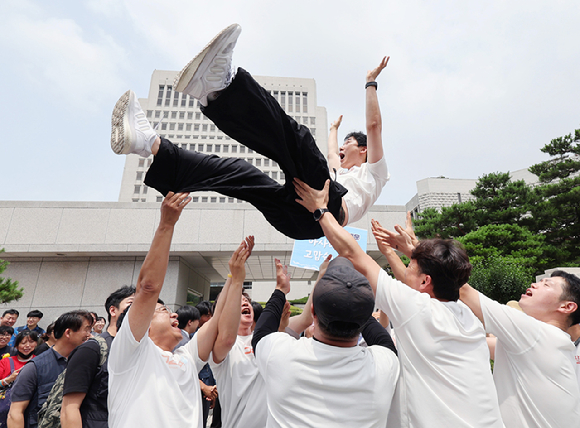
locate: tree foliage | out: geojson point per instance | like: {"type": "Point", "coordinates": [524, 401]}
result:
{"type": "Point", "coordinates": [538, 226]}
{"type": "Point", "coordinates": [501, 278]}
{"type": "Point", "coordinates": [557, 215]}
{"type": "Point", "coordinates": [9, 289]}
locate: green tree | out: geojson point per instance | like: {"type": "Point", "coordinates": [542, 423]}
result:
{"type": "Point", "coordinates": [498, 200]}
{"type": "Point", "coordinates": [501, 278]}
{"type": "Point", "coordinates": [503, 240]}
{"type": "Point", "coordinates": [9, 289]}
{"type": "Point", "coordinates": [557, 215]}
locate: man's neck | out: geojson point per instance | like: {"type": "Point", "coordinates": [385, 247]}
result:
{"type": "Point", "coordinates": [245, 330]}
{"type": "Point", "coordinates": [112, 329]}
{"type": "Point", "coordinates": [63, 347]}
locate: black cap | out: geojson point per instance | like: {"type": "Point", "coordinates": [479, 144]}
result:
{"type": "Point", "coordinates": [343, 294]}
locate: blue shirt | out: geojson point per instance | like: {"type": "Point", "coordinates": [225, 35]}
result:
{"type": "Point", "coordinates": [17, 330]}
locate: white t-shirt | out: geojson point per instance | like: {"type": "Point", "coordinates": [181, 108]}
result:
{"type": "Point", "coordinates": [241, 389]}
{"type": "Point", "coordinates": [364, 184]}
{"type": "Point", "coordinates": [533, 369]}
{"type": "Point", "coordinates": [150, 387]}
{"type": "Point", "coordinates": [446, 378]}
{"type": "Point", "coordinates": [311, 384]}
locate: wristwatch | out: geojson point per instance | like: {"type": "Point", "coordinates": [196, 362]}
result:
{"type": "Point", "coordinates": [319, 212]}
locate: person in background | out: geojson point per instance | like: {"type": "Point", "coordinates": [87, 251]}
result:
{"type": "Point", "coordinates": [99, 325]}
{"type": "Point", "coordinates": [47, 341]}
{"type": "Point", "coordinates": [9, 317]}
{"type": "Point", "coordinates": [6, 333]}
{"type": "Point", "coordinates": [32, 321]}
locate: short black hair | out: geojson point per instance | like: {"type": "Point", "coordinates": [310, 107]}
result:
{"type": "Point", "coordinates": [116, 297]}
{"type": "Point", "coordinates": [257, 310]}
{"type": "Point", "coordinates": [11, 312]}
{"type": "Point", "coordinates": [6, 329]}
{"type": "Point", "coordinates": [185, 314]}
{"type": "Point", "coordinates": [25, 333]}
{"type": "Point", "coordinates": [570, 291]}
{"type": "Point", "coordinates": [101, 318]}
{"type": "Point", "coordinates": [446, 262]}
{"type": "Point", "coordinates": [73, 320]}
{"type": "Point", "coordinates": [35, 313]}
{"type": "Point", "coordinates": [340, 329]}
{"type": "Point", "coordinates": [205, 308]}
{"type": "Point", "coordinates": [360, 138]}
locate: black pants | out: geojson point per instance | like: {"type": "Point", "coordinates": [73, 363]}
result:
{"type": "Point", "coordinates": [251, 116]}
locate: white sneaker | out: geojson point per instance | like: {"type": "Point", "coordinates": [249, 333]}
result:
{"type": "Point", "coordinates": [130, 129]}
{"type": "Point", "coordinates": [210, 70]}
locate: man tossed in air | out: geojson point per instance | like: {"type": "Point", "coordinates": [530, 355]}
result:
{"type": "Point", "coordinates": [246, 112]}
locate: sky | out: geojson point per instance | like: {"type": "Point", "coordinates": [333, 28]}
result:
{"type": "Point", "coordinates": [472, 87]}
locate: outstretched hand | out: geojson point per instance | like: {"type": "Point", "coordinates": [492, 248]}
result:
{"type": "Point", "coordinates": [403, 240]}
{"type": "Point", "coordinates": [336, 123]}
{"type": "Point", "coordinates": [172, 206]}
{"type": "Point", "coordinates": [310, 198]}
{"type": "Point", "coordinates": [285, 318]}
{"type": "Point", "coordinates": [282, 277]}
{"type": "Point", "coordinates": [374, 73]}
{"type": "Point", "coordinates": [238, 260]}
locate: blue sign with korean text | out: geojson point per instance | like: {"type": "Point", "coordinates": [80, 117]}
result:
{"type": "Point", "coordinates": [310, 253]}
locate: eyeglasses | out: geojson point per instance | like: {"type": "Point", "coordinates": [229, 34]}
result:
{"type": "Point", "coordinates": [163, 308]}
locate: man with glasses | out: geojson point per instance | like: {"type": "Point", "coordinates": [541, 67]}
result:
{"type": "Point", "coordinates": [149, 385]}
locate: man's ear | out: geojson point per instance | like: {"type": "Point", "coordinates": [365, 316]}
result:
{"type": "Point", "coordinates": [113, 311]}
{"type": "Point", "coordinates": [568, 307]}
{"type": "Point", "coordinates": [426, 285]}
{"type": "Point", "coordinates": [362, 149]}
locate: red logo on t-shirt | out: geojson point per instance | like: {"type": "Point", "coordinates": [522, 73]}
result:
{"type": "Point", "coordinates": [577, 359]}
{"type": "Point", "coordinates": [249, 350]}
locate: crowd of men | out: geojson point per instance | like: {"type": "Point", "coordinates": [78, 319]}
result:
{"type": "Point", "coordinates": [425, 364]}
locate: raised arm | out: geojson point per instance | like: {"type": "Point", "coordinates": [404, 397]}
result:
{"type": "Point", "coordinates": [381, 235]}
{"type": "Point", "coordinates": [470, 296]}
{"type": "Point", "coordinates": [373, 116]}
{"type": "Point", "coordinates": [333, 156]}
{"type": "Point", "coordinates": [154, 267]}
{"type": "Point", "coordinates": [301, 322]}
{"type": "Point", "coordinates": [229, 320]}
{"type": "Point", "coordinates": [340, 239]}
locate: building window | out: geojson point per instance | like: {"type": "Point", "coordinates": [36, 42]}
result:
{"type": "Point", "coordinates": [250, 161]}
{"type": "Point", "coordinates": [313, 121]}
{"type": "Point", "coordinates": [234, 148]}
{"type": "Point", "coordinates": [191, 101]}
{"type": "Point", "coordinates": [180, 126]}
{"type": "Point", "coordinates": [159, 199]}
{"type": "Point", "coordinates": [200, 147]}
{"type": "Point", "coordinates": [204, 199]}
{"type": "Point", "coordinates": [283, 99]}
{"type": "Point", "coordinates": [195, 199]}
{"type": "Point", "coordinates": [160, 94]}
{"type": "Point", "coordinates": [183, 101]}
{"type": "Point", "coordinates": [297, 102]}
{"type": "Point", "coordinates": [214, 199]}
{"type": "Point", "coordinates": [137, 190]}
{"type": "Point", "coordinates": [212, 128]}
{"type": "Point", "coordinates": [135, 199]}
{"type": "Point", "coordinates": [182, 115]}
{"type": "Point", "coordinates": [190, 115]}
{"type": "Point", "coordinates": [290, 103]}
{"type": "Point", "coordinates": [204, 127]}
{"type": "Point", "coordinates": [172, 126]}
{"type": "Point", "coordinates": [222, 200]}
{"type": "Point", "coordinates": [250, 151]}
{"type": "Point", "coordinates": [141, 163]}
{"type": "Point", "coordinates": [196, 127]}
{"type": "Point", "coordinates": [304, 102]}
{"type": "Point", "coordinates": [139, 175]}
{"type": "Point", "coordinates": [266, 162]}
{"type": "Point", "coordinates": [145, 190]}
{"type": "Point", "coordinates": [173, 115]}
{"type": "Point", "coordinates": [274, 164]}
{"type": "Point", "coordinates": [209, 147]}
{"type": "Point", "coordinates": [281, 175]}
{"type": "Point", "coordinates": [230, 200]}
{"type": "Point", "coordinates": [275, 175]}
{"type": "Point", "coordinates": [163, 126]}
{"type": "Point", "coordinates": [188, 128]}
{"type": "Point", "coordinates": [168, 96]}
{"type": "Point", "coordinates": [218, 148]}
{"type": "Point", "coordinates": [242, 149]}
{"type": "Point", "coordinates": [197, 116]}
